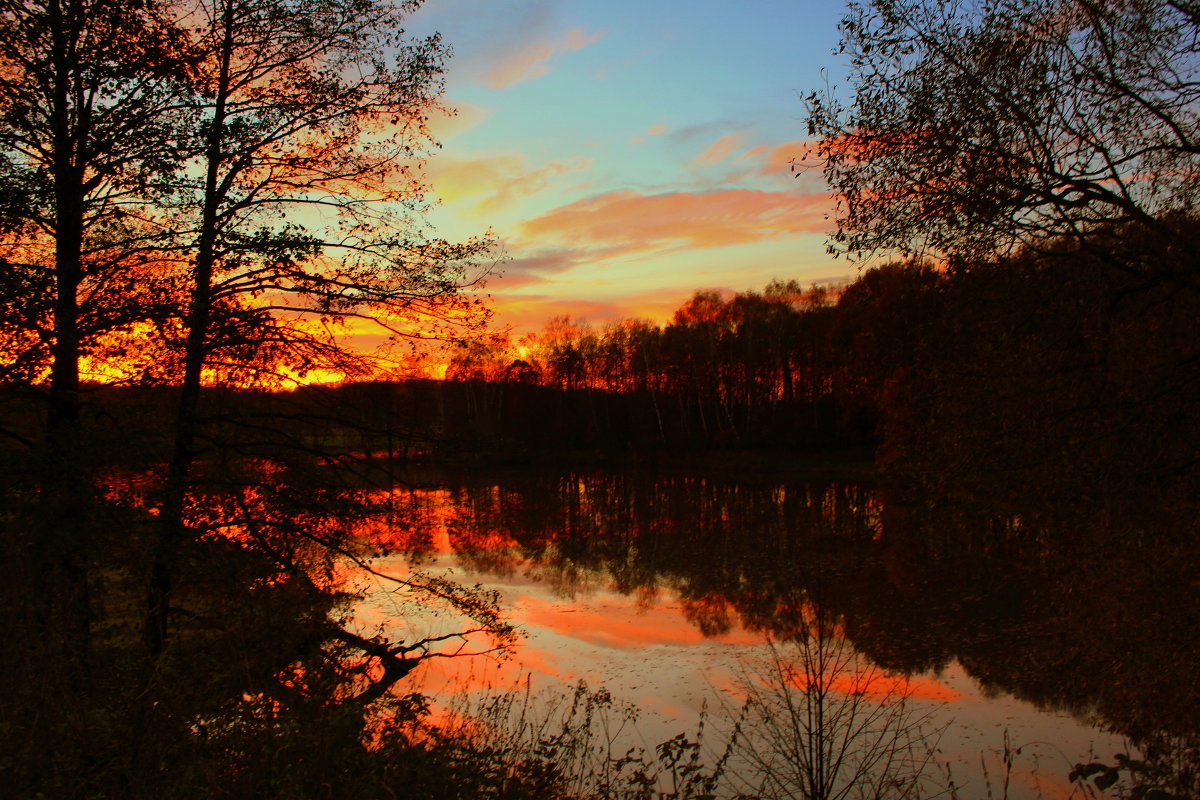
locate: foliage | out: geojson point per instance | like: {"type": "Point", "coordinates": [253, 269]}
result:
{"type": "Point", "coordinates": [267, 687]}
{"type": "Point", "coordinates": [975, 129]}
{"type": "Point", "coordinates": [585, 745]}
{"type": "Point", "coordinates": [1047, 381]}
{"type": "Point", "coordinates": [581, 744]}
{"type": "Point", "coordinates": [302, 206]}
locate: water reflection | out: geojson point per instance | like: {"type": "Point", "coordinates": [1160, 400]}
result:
{"type": "Point", "coordinates": [821, 721]}
{"type": "Point", "coordinates": [1084, 619]}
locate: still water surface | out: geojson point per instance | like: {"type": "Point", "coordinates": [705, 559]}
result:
{"type": "Point", "coordinates": [667, 589]}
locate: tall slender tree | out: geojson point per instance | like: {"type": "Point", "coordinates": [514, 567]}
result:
{"type": "Point", "coordinates": [303, 209]}
{"type": "Point", "coordinates": [88, 102]}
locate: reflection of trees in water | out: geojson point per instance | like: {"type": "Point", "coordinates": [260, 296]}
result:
{"type": "Point", "coordinates": [691, 535]}
{"type": "Point", "coordinates": [818, 721]}
{"type": "Point", "coordinates": [821, 721]}
{"type": "Point", "coordinates": [1092, 617]}
{"type": "Point", "coordinates": [269, 687]}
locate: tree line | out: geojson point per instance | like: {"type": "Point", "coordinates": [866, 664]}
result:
{"type": "Point", "coordinates": [1058, 375]}
{"type": "Point", "coordinates": [739, 369]}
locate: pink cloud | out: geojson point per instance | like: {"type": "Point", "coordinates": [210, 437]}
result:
{"type": "Point", "coordinates": [780, 159]}
{"type": "Point", "coordinates": [753, 152]}
{"type": "Point", "coordinates": [532, 61]}
{"type": "Point", "coordinates": [455, 117]}
{"type": "Point", "coordinates": [635, 628]}
{"type": "Point", "coordinates": [495, 181]}
{"type": "Point", "coordinates": [719, 150]}
{"type": "Point", "coordinates": [707, 219]}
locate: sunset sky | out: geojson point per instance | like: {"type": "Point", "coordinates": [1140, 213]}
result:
{"type": "Point", "coordinates": [628, 153]}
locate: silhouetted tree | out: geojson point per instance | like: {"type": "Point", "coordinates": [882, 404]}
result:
{"type": "Point", "coordinates": [88, 101]}
{"type": "Point", "coordinates": [302, 212]}
{"type": "Point", "coordinates": [200, 195]}
{"type": "Point", "coordinates": [977, 128]}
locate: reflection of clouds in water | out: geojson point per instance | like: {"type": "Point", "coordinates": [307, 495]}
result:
{"type": "Point", "coordinates": [620, 622]}
{"type": "Point", "coordinates": [658, 662]}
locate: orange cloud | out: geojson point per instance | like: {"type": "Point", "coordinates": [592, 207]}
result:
{"type": "Point", "coordinates": [719, 150]}
{"type": "Point", "coordinates": [776, 162]}
{"type": "Point", "coordinates": [633, 221]}
{"type": "Point", "coordinates": [456, 179]}
{"type": "Point", "coordinates": [576, 39]}
{"type": "Point", "coordinates": [780, 159]}
{"type": "Point", "coordinates": [532, 182]}
{"type": "Point", "coordinates": [882, 686]}
{"type": "Point", "coordinates": [496, 180]}
{"type": "Point", "coordinates": [753, 152]}
{"type": "Point", "coordinates": [457, 116]}
{"type": "Point", "coordinates": [653, 130]}
{"type": "Point", "coordinates": [529, 313]}
{"type": "Point", "coordinates": [869, 680]}
{"type": "Point", "coordinates": [532, 61]}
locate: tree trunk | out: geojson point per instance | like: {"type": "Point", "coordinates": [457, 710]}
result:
{"type": "Point", "coordinates": [62, 551]}
{"type": "Point", "coordinates": [173, 529]}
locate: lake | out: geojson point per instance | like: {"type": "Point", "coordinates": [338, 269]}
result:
{"type": "Point", "coordinates": [1009, 651]}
